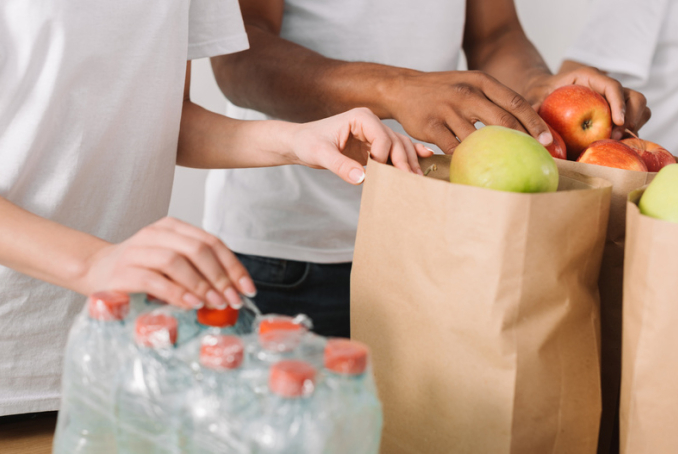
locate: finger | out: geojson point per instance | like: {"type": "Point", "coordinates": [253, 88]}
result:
{"type": "Point", "coordinates": [461, 127]}
{"type": "Point", "coordinates": [344, 167]}
{"type": "Point", "coordinates": [613, 91]}
{"type": "Point", "coordinates": [177, 268]}
{"type": "Point", "coordinates": [236, 271]}
{"type": "Point", "coordinates": [517, 107]}
{"type": "Point", "coordinates": [423, 151]}
{"type": "Point", "coordinates": [201, 256]}
{"type": "Point", "coordinates": [412, 159]}
{"type": "Point", "coordinates": [440, 134]}
{"type": "Point", "coordinates": [398, 153]}
{"type": "Point", "coordinates": [637, 113]}
{"type": "Point", "coordinates": [366, 127]}
{"type": "Point", "coordinates": [143, 280]}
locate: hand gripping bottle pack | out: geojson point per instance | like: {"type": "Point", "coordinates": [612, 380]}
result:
{"type": "Point", "coordinates": [349, 397]}
{"type": "Point", "coordinates": [152, 389]}
{"type": "Point", "coordinates": [94, 355]}
{"type": "Point", "coordinates": [288, 419]}
{"type": "Point", "coordinates": [220, 400]}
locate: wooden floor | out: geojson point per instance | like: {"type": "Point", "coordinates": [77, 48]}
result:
{"type": "Point", "coordinates": [28, 436]}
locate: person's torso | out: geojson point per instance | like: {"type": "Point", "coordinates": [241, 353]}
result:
{"type": "Point", "coordinates": [661, 87]}
{"type": "Point", "coordinates": [306, 214]}
{"type": "Point", "coordinates": [90, 102]}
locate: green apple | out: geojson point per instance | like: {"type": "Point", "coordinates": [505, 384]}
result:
{"type": "Point", "coordinates": [500, 158]}
{"type": "Point", "coordinates": [660, 199]}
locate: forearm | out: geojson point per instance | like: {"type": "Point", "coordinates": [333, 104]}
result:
{"type": "Point", "coordinates": [288, 81]}
{"type": "Point", "coordinates": [45, 249]}
{"type": "Point", "coordinates": [209, 140]}
{"type": "Point", "coordinates": [502, 50]}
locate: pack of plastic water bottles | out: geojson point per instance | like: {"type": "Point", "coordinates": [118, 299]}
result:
{"type": "Point", "coordinates": [143, 377]}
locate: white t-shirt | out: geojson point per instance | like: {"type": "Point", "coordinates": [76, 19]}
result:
{"type": "Point", "coordinates": [636, 41]}
{"type": "Point", "coordinates": [90, 103]}
{"type": "Point", "coordinates": [298, 213]}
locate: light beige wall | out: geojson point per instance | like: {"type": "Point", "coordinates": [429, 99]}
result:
{"type": "Point", "coordinates": [550, 24]}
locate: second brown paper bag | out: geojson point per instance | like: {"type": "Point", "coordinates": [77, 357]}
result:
{"type": "Point", "coordinates": [649, 393]}
{"type": "Point", "coordinates": [481, 309]}
{"type": "Point", "coordinates": [610, 284]}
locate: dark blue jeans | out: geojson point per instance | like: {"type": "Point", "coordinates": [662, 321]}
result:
{"type": "Point", "coordinates": [288, 287]}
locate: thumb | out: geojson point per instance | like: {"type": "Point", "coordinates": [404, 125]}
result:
{"type": "Point", "coordinates": [346, 168]}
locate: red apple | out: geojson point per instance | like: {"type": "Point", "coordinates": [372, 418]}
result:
{"type": "Point", "coordinates": [557, 148]}
{"type": "Point", "coordinates": [580, 115]}
{"type": "Point", "coordinates": [612, 153]}
{"type": "Point", "coordinates": [655, 156]}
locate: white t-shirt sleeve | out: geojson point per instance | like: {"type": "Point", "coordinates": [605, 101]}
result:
{"type": "Point", "coordinates": [215, 28]}
{"type": "Point", "coordinates": [620, 36]}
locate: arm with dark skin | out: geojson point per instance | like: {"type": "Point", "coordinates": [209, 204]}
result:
{"type": "Point", "coordinates": [288, 81]}
{"type": "Point", "coordinates": [494, 42]}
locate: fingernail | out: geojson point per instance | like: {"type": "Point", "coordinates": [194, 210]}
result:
{"type": "Point", "coordinates": [216, 300]}
{"type": "Point", "coordinates": [545, 138]}
{"type": "Point", "coordinates": [616, 134]}
{"type": "Point", "coordinates": [429, 149]}
{"type": "Point", "coordinates": [233, 298]}
{"type": "Point", "coordinates": [357, 176]}
{"type": "Point", "coordinates": [192, 301]}
{"type": "Point", "coordinates": [248, 287]}
{"type": "Point", "coordinates": [419, 172]}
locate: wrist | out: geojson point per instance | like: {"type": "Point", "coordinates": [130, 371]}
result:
{"type": "Point", "coordinates": [537, 86]}
{"type": "Point", "coordinates": [390, 91]}
{"type": "Point", "coordinates": [285, 137]}
{"type": "Point", "coordinates": [78, 274]}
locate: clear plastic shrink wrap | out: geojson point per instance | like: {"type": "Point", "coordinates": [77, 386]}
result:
{"type": "Point", "coordinates": [152, 389]}
{"type": "Point", "coordinates": [132, 384]}
{"type": "Point", "coordinates": [221, 400]}
{"type": "Point", "coordinates": [95, 352]}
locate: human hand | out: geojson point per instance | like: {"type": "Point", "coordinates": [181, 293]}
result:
{"type": "Point", "coordinates": [628, 107]}
{"type": "Point", "coordinates": [176, 262]}
{"type": "Point", "coordinates": [443, 107]}
{"type": "Point", "coordinates": [343, 142]}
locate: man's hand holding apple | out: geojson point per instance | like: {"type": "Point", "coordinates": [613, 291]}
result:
{"type": "Point", "coordinates": [628, 107]}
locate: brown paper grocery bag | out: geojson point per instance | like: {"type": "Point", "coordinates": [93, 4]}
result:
{"type": "Point", "coordinates": [481, 309]}
{"type": "Point", "coordinates": [649, 390]}
{"type": "Point", "coordinates": [610, 283]}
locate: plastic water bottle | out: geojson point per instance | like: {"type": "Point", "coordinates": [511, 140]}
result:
{"type": "Point", "coordinates": [188, 327]}
{"type": "Point", "coordinates": [152, 390]}
{"type": "Point", "coordinates": [94, 355]}
{"type": "Point", "coordinates": [213, 322]}
{"type": "Point", "coordinates": [288, 420]}
{"type": "Point", "coordinates": [220, 400]}
{"type": "Point", "coordinates": [278, 337]}
{"type": "Point", "coordinates": [349, 396]}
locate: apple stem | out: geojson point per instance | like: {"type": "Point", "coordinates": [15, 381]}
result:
{"type": "Point", "coordinates": [433, 168]}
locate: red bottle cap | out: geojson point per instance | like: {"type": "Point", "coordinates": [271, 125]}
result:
{"type": "Point", "coordinates": [280, 333]}
{"type": "Point", "coordinates": [108, 306]}
{"type": "Point", "coordinates": [156, 330]}
{"type": "Point", "coordinates": [221, 352]}
{"type": "Point", "coordinates": [345, 356]}
{"type": "Point", "coordinates": [292, 378]}
{"type": "Point", "coordinates": [278, 323]}
{"type": "Point", "coordinates": [219, 318]}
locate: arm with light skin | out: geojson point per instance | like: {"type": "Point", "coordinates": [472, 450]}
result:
{"type": "Point", "coordinates": [288, 81]}
{"type": "Point", "coordinates": [339, 143]}
{"type": "Point", "coordinates": [175, 261]}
